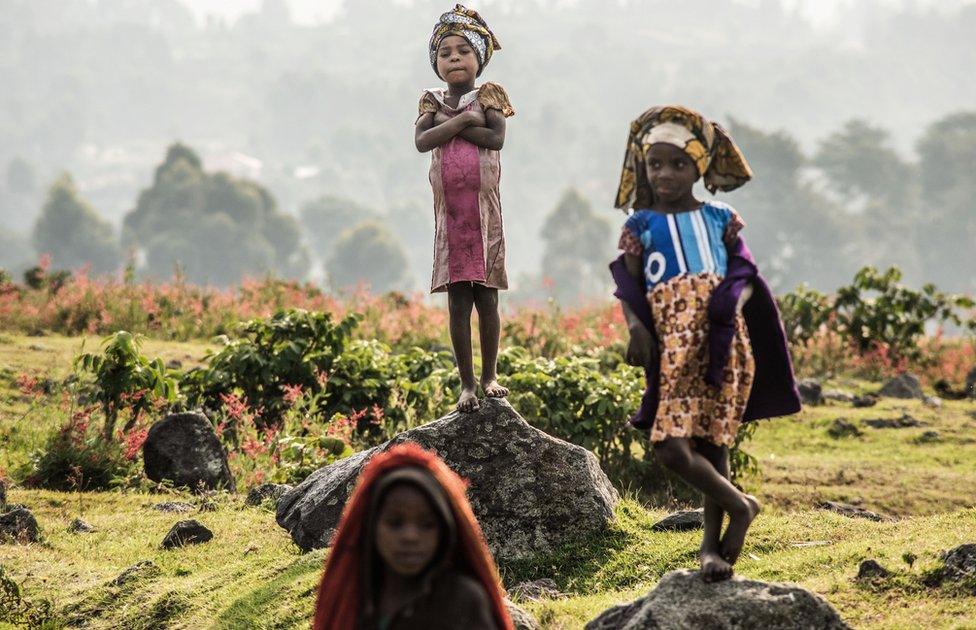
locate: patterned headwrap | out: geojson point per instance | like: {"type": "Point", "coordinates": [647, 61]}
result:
{"type": "Point", "coordinates": [471, 26]}
{"type": "Point", "coordinates": [716, 156]}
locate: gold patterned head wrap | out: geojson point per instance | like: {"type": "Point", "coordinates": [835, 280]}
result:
{"type": "Point", "coordinates": [716, 156]}
{"type": "Point", "coordinates": [471, 26]}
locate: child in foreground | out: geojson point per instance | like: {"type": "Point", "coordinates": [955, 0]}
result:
{"type": "Point", "coordinates": [714, 354]}
{"type": "Point", "coordinates": [463, 126]}
{"type": "Point", "coordinates": [409, 553]}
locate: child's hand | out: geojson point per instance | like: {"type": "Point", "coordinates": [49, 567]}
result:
{"type": "Point", "coordinates": [642, 348]}
{"type": "Point", "coordinates": [475, 118]}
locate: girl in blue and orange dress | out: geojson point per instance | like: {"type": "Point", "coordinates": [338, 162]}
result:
{"type": "Point", "coordinates": [695, 273]}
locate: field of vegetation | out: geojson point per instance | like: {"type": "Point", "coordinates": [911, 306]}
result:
{"type": "Point", "coordinates": [294, 379]}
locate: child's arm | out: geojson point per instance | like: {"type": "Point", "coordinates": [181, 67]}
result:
{"type": "Point", "coordinates": [642, 346]}
{"type": "Point", "coordinates": [489, 136]}
{"type": "Point", "coordinates": [429, 136]}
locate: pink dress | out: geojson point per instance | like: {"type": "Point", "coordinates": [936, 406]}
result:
{"type": "Point", "coordinates": [469, 241]}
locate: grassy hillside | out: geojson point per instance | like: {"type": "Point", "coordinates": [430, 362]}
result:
{"type": "Point", "coordinates": [251, 576]}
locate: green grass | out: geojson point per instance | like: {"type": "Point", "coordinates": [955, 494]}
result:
{"type": "Point", "coordinates": [251, 576]}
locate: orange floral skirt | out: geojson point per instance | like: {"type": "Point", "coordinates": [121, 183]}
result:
{"type": "Point", "coordinates": [688, 407]}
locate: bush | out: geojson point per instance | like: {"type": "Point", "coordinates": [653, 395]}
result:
{"type": "Point", "coordinates": [77, 458]}
{"type": "Point", "coordinates": [293, 347]}
{"type": "Point", "coordinates": [124, 379]}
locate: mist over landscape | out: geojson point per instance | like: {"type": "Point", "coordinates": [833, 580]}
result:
{"type": "Point", "coordinates": [859, 121]}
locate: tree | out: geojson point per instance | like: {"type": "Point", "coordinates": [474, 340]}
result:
{"type": "Point", "coordinates": [368, 254]}
{"type": "Point", "coordinates": [217, 227]}
{"type": "Point", "coordinates": [859, 163]}
{"type": "Point", "coordinates": [947, 161]}
{"type": "Point", "coordinates": [797, 234]}
{"type": "Point", "coordinates": [72, 232]}
{"type": "Point", "coordinates": [576, 248]}
{"type": "Point", "coordinates": [328, 217]}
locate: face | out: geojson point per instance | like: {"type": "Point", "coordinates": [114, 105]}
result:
{"type": "Point", "coordinates": [670, 172]}
{"type": "Point", "coordinates": [407, 531]}
{"type": "Point", "coordinates": [457, 62]}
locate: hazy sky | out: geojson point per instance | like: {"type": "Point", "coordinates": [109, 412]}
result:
{"type": "Point", "coordinates": [820, 12]}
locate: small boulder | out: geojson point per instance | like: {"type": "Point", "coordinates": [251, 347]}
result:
{"type": "Point", "coordinates": [184, 449]}
{"type": "Point", "coordinates": [932, 401]}
{"type": "Point", "coordinates": [533, 590]}
{"type": "Point", "coordinates": [683, 521]}
{"type": "Point", "coordinates": [78, 526]}
{"type": "Point", "coordinates": [902, 386]}
{"type": "Point", "coordinates": [959, 562]}
{"type": "Point", "coordinates": [841, 428]}
{"type": "Point", "coordinates": [850, 511]}
{"type": "Point", "coordinates": [683, 600]}
{"type": "Point", "coordinates": [904, 422]}
{"type": "Point", "coordinates": [838, 396]}
{"type": "Point", "coordinates": [867, 400]}
{"type": "Point", "coordinates": [971, 383]}
{"type": "Point", "coordinates": [928, 437]}
{"type": "Point", "coordinates": [174, 364]}
{"type": "Point", "coordinates": [188, 532]}
{"type": "Point", "coordinates": [18, 525]}
{"type": "Point", "coordinates": [265, 492]}
{"type": "Point", "coordinates": [871, 569]}
{"type": "Point", "coordinates": [811, 391]}
{"type": "Point", "coordinates": [140, 570]}
{"type": "Point", "coordinates": [532, 493]}
{"type": "Point", "coordinates": [173, 507]}
{"type": "Point", "coordinates": [521, 620]}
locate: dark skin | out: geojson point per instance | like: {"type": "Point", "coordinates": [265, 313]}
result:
{"type": "Point", "coordinates": [672, 176]}
{"type": "Point", "coordinates": [457, 64]}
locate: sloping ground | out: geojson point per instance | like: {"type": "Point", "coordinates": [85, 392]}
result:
{"type": "Point", "coordinates": [251, 576]}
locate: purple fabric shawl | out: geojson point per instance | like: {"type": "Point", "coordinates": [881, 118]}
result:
{"type": "Point", "coordinates": [774, 390]}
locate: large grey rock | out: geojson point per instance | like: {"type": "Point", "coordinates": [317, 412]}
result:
{"type": "Point", "coordinates": [534, 590]}
{"type": "Point", "coordinates": [681, 600]}
{"type": "Point", "coordinates": [18, 525]}
{"type": "Point", "coordinates": [811, 391]}
{"type": "Point", "coordinates": [183, 448]}
{"type": "Point", "coordinates": [902, 386]}
{"type": "Point", "coordinates": [530, 491]}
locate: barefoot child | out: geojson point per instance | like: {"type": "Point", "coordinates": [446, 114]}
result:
{"type": "Point", "coordinates": [685, 278]}
{"type": "Point", "coordinates": [409, 553]}
{"type": "Point", "coordinates": [463, 126]}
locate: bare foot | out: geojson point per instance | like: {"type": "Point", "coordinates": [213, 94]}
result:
{"type": "Point", "coordinates": [468, 401]}
{"type": "Point", "coordinates": [714, 568]}
{"type": "Point", "coordinates": [739, 521]}
{"type": "Point", "coordinates": [494, 390]}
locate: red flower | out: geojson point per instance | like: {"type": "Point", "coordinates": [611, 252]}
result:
{"type": "Point", "coordinates": [292, 393]}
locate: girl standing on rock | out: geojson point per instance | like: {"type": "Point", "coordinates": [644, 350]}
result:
{"type": "Point", "coordinates": [703, 322]}
{"type": "Point", "coordinates": [409, 553]}
{"type": "Point", "coordinates": [463, 126]}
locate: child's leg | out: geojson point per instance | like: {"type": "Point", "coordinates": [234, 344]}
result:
{"type": "Point", "coordinates": [713, 566]}
{"type": "Point", "coordinates": [695, 469]}
{"type": "Point", "coordinates": [489, 329]}
{"type": "Point", "coordinates": [460, 298]}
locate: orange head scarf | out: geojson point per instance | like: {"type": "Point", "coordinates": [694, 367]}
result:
{"type": "Point", "coordinates": [340, 602]}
